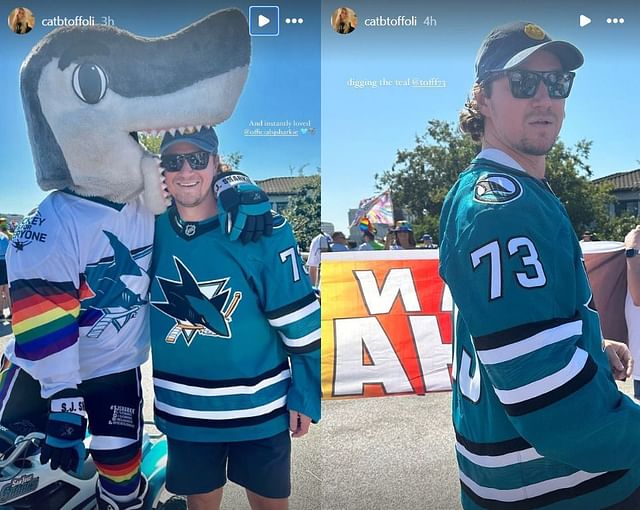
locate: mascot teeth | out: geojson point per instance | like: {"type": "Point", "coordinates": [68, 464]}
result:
{"type": "Point", "coordinates": [173, 131]}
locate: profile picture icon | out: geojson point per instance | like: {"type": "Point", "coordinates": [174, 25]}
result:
{"type": "Point", "coordinates": [344, 20]}
{"type": "Point", "coordinates": [21, 20]}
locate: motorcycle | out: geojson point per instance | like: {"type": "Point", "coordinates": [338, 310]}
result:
{"type": "Point", "coordinates": [26, 484]}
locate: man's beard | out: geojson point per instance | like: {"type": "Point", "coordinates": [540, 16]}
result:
{"type": "Point", "coordinates": [530, 149]}
{"type": "Point", "coordinates": [189, 201]}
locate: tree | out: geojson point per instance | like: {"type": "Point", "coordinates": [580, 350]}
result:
{"type": "Point", "coordinates": [303, 212]}
{"type": "Point", "coordinates": [430, 225]}
{"type": "Point", "coordinates": [231, 161]}
{"type": "Point", "coordinates": [151, 143]}
{"type": "Point", "coordinates": [615, 229]}
{"type": "Point", "coordinates": [421, 177]}
{"type": "Point", "coordinates": [298, 171]}
{"type": "Point", "coordinates": [568, 173]}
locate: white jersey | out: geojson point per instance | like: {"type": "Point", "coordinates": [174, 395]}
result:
{"type": "Point", "coordinates": [319, 244]}
{"type": "Point", "coordinates": [632, 315]}
{"type": "Point", "coordinates": [78, 282]}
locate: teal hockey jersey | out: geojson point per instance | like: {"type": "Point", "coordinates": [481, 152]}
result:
{"type": "Point", "coordinates": [539, 420]}
{"type": "Point", "coordinates": [235, 332]}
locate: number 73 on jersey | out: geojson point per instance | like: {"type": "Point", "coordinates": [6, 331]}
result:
{"type": "Point", "coordinates": [531, 276]}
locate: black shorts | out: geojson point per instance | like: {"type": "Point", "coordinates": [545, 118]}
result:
{"type": "Point", "coordinates": [263, 466]}
{"type": "Point", "coordinates": [3, 272]}
{"type": "Point", "coordinates": [113, 404]}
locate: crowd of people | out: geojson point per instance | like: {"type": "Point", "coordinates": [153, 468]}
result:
{"type": "Point", "coordinates": [399, 237]}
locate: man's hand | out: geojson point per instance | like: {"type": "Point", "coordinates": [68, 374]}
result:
{"type": "Point", "coordinates": [65, 432]}
{"type": "Point", "coordinates": [620, 359]}
{"type": "Point", "coordinates": [298, 424]}
{"type": "Point", "coordinates": [632, 239]}
{"type": "Point", "coordinates": [244, 209]}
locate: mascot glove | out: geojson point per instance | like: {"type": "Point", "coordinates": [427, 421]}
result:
{"type": "Point", "coordinates": [243, 208]}
{"type": "Point", "coordinates": [65, 432]}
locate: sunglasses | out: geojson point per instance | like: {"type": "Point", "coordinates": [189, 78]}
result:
{"type": "Point", "coordinates": [174, 162]}
{"type": "Point", "coordinates": [524, 83]}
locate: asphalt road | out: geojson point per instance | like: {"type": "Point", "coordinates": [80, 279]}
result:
{"type": "Point", "coordinates": [369, 454]}
{"type": "Point", "coordinates": [389, 453]}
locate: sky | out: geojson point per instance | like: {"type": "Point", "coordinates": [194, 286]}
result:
{"type": "Point", "coordinates": [304, 75]}
{"type": "Point", "coordinates": [283, 85]}
{"type": "Point", "coordinates": [364, 127]}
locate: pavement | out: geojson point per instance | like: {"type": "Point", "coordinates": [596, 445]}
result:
{"type": "Point", "coordinates": [389, 453]}
{"type": "Point", "coordinates": [367, 454]}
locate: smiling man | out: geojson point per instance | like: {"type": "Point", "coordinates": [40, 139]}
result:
{"type": "Point", "coordinates": [539, 420]}
{"type": "Point", "coordinates": [235, 335]}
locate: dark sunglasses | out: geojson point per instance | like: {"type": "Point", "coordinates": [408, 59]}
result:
{"type": "Point", "coordinates": [174, 162]}
{"type": "Point", "coordinates": [524, 83]}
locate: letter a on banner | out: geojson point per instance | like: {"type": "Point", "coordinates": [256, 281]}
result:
{"type": "Point", "coordinates": [383, 366]}
{"type": "Point", "coordinates": [386, 324]}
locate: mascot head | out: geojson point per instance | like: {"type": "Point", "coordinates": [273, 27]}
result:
{"type": "Point", "coordinates": [88, 91]}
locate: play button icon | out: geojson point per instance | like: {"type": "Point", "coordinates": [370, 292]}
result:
{"type": "Point", "coordinates": [264, 20]}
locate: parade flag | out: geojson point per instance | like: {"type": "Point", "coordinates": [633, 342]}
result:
{"type": "Point", "coordinates": [378, 209]}
{"type": "Point", "coordinates": [386, 324]}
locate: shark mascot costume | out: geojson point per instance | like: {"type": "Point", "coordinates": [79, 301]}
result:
{"type": "Point", "coordinates": [78, 264]}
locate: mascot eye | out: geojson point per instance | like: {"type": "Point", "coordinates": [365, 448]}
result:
{"type": "Point", "coordinates": [89, 83]}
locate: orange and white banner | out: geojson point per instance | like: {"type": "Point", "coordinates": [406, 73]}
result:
{"type": "Point", "coordinates": [386, 318]}
{"type": "Point", "coordinates": [386, 324]}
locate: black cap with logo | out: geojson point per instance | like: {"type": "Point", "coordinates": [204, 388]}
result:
{"type": "Point", "coordinates": [508, 45]}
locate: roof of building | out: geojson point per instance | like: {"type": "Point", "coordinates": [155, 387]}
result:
{"type": "Point", "coordinates": [283, 185]}
{"type": "Point", "coordinates": [622, 180]}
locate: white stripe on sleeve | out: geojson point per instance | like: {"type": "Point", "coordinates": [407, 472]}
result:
{"type": "Point", "coordinates": [295, 316]}
{"type": "Point", "coordinates": [546, 384]}
{"type": "Point", "coordinates": [533, 343]}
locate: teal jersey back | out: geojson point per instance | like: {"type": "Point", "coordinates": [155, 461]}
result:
{"type": "Point", "coordinates": [539, 420]}
{"type": "Point", "coordinates": [235, 332]}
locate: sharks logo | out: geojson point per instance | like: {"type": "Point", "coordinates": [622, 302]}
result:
{"type": "Point", "coordinates": [198, 307]}
{"type": "Point", "coordinates": [112, 289]}
{"type": "Point", "coordinates": [19, 245]}
{"type": "Point", "coordinates": [497, 189]}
